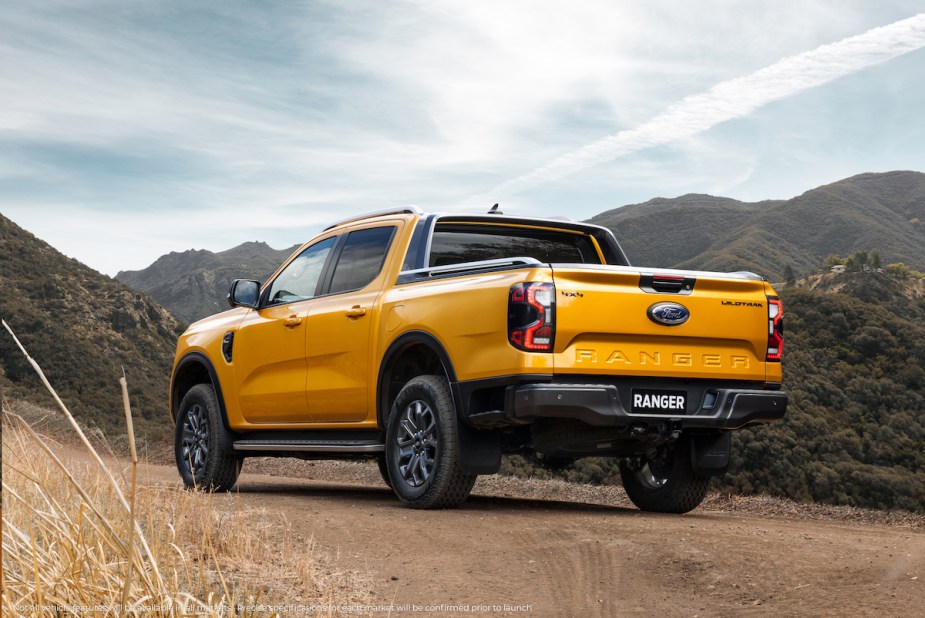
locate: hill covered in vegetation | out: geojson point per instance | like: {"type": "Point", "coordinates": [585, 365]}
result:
{"type": "Point", "coordinates": [855, 370]}
{"type": "Point", "coordinates": [886, 211]}
{"type": "Point", "coordinates": [83, 328]}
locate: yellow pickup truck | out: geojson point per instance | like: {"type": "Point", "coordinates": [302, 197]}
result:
{"type": "Point", "coordinates": [435, 343]}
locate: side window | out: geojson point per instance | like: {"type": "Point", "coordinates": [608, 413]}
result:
{"type": "Point", "coordinates": [299, 280]}
{"type": "Point", "coordinates": [361, 258]}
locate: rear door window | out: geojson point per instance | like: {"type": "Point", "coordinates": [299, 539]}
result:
{"type": "Point", "coordinates": [361, 259]}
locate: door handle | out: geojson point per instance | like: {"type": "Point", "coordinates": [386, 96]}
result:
{"type": "Point", "coordinates": [356, 311]}
{"type": "Point", "coordinates": [293, 321]}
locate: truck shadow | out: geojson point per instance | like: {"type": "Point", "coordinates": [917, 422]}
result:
{"type": "Point", "coordinates": [350, 493]}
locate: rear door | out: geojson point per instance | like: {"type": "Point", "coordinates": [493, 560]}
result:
{"type": "Point", "coordinates": [340, 327]}
{"type": "Point", "coordinates": [625, 321]}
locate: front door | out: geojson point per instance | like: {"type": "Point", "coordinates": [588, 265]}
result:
{"type": "Point", "coordinates": [269, 346]}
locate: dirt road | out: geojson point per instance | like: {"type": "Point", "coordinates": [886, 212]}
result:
{"type": "Point", "coordinates": [582, 551]}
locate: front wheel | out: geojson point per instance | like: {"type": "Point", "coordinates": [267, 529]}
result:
{"type": "Point", "coordinates": [200, 459]}
{"type": "Point", "coordinates": [421, 447]}
{"type": "Point", "coordinates": [665, 483]}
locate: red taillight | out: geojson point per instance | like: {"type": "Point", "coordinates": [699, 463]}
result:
{"type": "Point", "coordinates": [531, 316]}
{"type": "Point", "coordinates": [775, 329]}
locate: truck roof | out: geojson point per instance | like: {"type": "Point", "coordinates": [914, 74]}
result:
{"type": "Point", "coordinates": [555, 221]}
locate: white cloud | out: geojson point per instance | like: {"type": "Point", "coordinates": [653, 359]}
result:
{"type": "Point", "coordinates": [181, 125]}
{"type": "Point", "coordinates": [735, 98]}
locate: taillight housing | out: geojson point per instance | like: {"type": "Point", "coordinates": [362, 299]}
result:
{"type": "Point", "coordinates": [531, 316]}
{"type": "Point", "coordinates": [775, 329]}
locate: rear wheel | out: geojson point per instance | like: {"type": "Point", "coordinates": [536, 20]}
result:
{"type": "Point", "coordinates": [665, 483]}
{"type": "Point", "coordinates": [421, 447]}
{"type": "Point", "coordinates": [200, 460]}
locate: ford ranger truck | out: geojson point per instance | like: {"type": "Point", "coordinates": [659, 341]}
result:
{"type": "Point", "coordinates": [435, 343]}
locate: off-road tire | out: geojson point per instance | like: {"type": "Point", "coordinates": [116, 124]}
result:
{"type": "Point", "coordinates": [196, 432]}
{"type": "Point", "coordinates": [425, 406]}
{"type": "Point", "coordinates": [666, 484]}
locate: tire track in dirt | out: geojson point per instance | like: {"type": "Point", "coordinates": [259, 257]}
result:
{"type": "Point", "coordinates": [580, 559]}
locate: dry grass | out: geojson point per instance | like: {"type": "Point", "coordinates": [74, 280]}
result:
{"type": "Point", "coordinates": [77, 541]}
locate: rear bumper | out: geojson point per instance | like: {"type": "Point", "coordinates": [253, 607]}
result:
{"type": "Point", "coordinates": [601, 405]}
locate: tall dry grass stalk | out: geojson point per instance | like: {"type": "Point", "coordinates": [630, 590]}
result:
{"type": "Point", "coordinates": [73, 544]}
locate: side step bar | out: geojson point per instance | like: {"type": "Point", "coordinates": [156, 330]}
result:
{"type": "Point", "coordinates": [311, 446]}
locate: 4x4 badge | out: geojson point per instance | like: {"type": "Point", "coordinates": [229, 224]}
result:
{"type": "Point", "coordinates": [668, 314]}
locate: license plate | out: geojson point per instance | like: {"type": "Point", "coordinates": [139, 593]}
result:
{"type": "Point", "coordinates": [653, 401]}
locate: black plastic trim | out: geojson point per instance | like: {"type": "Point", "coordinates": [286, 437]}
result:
{"type": "Point", "coordinates": [228, 346]}
{"type": "Point", "coordinates": [317, 435]}
{"type": "Point", "coordinates": [479, 449]}
{"type": "Point", "coordinates": [676, 285]}
{"type": "Point", "coordinates": [415, 337]}
{"type": "Point", "coordinates": [464, 391]}
{"type": "Point", "coordinates": [710, 453]}
{"type": "Point", "coordinates": [600, 405]}
{"type": "Point", "coordinates": [417, 251]}
{"type": "Point", "coordinates": [327, 273]}
{"type": "Point", "coordinates": [226, 435]}
{"type": "Point", "coordinates": [462, 271]}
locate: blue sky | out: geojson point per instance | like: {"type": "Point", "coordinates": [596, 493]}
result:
{"type": "Point", "coordinates": [130, 129]}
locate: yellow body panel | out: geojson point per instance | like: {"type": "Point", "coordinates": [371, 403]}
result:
{"type": "Point", "coordinates": [602, 327]}
{"type": "Point", "coordinates": [468, 316]}
{"type": "Point", "coordinates": [269, 360]}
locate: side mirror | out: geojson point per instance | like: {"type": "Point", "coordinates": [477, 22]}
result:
{"type": "Point", "coordinates": [244, 293]}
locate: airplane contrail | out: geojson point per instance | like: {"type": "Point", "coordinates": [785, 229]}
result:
{"type": "Point", "coordinates": [735, 98]}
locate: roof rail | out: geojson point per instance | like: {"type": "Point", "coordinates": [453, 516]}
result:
{"type": "Point", "coordinates": [404, 210]}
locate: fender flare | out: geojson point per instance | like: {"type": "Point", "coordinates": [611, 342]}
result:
{"type": "Point", "coordinates": [479, 450]}
{"type": "Point", "coordinates": [225, 434]}
{"type": "Point", "coordinates": [399, 345]}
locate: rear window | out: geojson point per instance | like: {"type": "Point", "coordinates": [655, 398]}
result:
{"type": "Point", "coordinates": [455, 244]}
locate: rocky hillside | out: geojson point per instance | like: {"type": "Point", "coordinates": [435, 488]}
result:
{"type": "Point", "coordinates": [83, 328]}
{"type": "Point", "coordinates": [885, 211]}
{"type": "Point", "coordinates": [193, 284]}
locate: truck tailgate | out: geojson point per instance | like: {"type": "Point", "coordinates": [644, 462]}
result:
{"type": "Point", "coordinates": [608, 321]}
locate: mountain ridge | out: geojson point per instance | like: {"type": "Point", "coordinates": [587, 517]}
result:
{"type": "Point", "coordinates": [193, 283]}
{"type": "Point", "coordinates": [695, 231]}
{"type": "Point", "coordinates": [884, 211]}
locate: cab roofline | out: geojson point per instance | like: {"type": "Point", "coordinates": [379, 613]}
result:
{"type": "Point", "coordinates": [563, 223]}
{"type": "Point", "coordinates": [557, 221]}
{"type": "Point", "coordinates": [404, 210]}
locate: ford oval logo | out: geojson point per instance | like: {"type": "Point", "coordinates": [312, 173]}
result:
{"type": "Point", "coordinates": [669, 314]}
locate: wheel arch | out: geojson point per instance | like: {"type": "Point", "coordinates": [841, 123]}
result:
{"type": "Point", "coordinates": [411, 354]}
{"type": "Point", "coordinates": [421, 353]}
{"type": "Point", "coordinates": [196, 368]}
